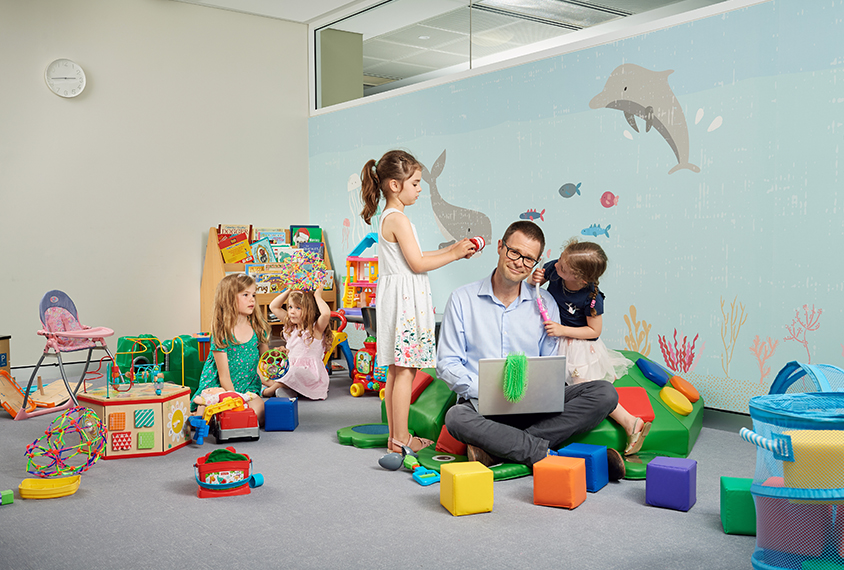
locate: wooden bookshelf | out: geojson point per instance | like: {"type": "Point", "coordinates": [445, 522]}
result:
{"type": "Point", "coordinates": [214, 270]}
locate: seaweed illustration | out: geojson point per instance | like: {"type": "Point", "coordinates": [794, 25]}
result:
{"type": "Point", "coordinates": [637, 340]}
{"type": "Point", "coordinates": [679, 357]}
{"type": "Point", "coordinates": [798, 328]}
{"type": "Point", "coordinates": [730, 329]}
{"type": "Point", "coordinates": [763, 351]}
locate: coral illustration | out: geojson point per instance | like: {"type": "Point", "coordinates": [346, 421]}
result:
{"type": "Point", "coordinates": [730, 330]}
{"type": "Point", "coordinates": [678, 357]}
{"type": "Point", "coordinates": [637, 340]}
{"type": "Point", "coordinates": [798, 328]}
{"type": "Point", "coordinates": [763, 351]}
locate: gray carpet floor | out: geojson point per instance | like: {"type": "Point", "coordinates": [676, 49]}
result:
{"type": "Point", "coordinates": [325, 505]}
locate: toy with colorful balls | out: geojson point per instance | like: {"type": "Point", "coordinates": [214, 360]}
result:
{"type": "Point", "coordinates": [273, 365]}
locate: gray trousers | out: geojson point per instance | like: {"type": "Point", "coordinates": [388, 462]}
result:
{"type": "Point", "coordinates": [526, 438]}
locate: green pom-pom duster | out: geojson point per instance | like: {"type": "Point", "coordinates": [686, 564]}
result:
{"type": "Point", "coordinates": [515, 377]}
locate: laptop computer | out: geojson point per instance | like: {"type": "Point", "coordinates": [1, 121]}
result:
{"type": "Point", "coordinates": [545, 393]}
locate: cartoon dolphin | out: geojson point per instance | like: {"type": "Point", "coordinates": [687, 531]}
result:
{"type": "Point", "coordinates": [455, 223]}
{"type": "Point", "coordinates": [640, 92]}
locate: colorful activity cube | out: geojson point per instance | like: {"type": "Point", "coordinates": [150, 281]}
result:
{"type": "Point", "coordinates": [671, 482]}
{"type": "Point", "coordinates": [560, 481]}
{"type": "Point", "coordinates": [738, 512]}
{"type": "Point", "coordinates": [466, 488]}
{"type": "Point", "coordinates": [597, 471]}
{"type": "Point", "coordinates": [281, 414]}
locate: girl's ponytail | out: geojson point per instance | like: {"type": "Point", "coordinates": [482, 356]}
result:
{"type": "Point", "coordinates": [370, 191]}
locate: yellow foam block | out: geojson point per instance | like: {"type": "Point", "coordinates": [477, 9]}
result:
{"type": "Point", "coordinates": [466, 488]}
{"type": "Point", "coordinates": [818, 460]}
{"type": "Point", "coordinates": [676, 401]}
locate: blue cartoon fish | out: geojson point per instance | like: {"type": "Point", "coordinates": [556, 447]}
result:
{"type": "Point", "coordinates": [596, 230]}
{"type": "Point", "coordinates": [532, 215]}
{"type": "Point", "coordinates": [569, 190]}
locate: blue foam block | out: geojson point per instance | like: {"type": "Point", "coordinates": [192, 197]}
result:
{"type": "Point", "coordinates": [596, 463]}
{"type": "Point", "coordinates": [281, 414]}
{"type": "Point", "coordinates": [653, 372]}
{"type": "Point", "coordinates": [671, 482]}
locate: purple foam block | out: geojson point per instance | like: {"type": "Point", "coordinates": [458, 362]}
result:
{"type": "Point", "coordinates": [671, 482]}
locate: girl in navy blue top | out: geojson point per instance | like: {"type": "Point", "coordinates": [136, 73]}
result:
{"type": "Point", "coordinates": [573, 282]}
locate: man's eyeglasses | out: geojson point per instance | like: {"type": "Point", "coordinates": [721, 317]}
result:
{"type": "Point", "coordinates": [514, 255]}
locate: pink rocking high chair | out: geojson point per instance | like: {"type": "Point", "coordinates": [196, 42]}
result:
{"type": "Point", "coordinates": [64, 333]}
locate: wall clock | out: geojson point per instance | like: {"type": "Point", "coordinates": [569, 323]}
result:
{"type": "Point", "coordinates": [65, 78]}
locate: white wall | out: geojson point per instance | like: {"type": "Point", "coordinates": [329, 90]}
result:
{"type": "Point", "coordinates": [192, 116]}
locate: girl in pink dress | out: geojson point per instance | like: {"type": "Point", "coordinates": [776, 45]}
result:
{"type": "Point", "coordinates": [305, 327]}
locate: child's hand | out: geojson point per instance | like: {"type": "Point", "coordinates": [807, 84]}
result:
{"type": "Point", "coordinates": [553, 329]}
{"type": "Point", "coordinates": [464, 249]}
{"type": "Point", "coordinates": [538, 276]}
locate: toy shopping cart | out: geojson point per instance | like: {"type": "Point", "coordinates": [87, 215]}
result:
{"type": "Point", "coordinates": [799, 482]}
{"type": "Point", "coordinates": [225, 473]}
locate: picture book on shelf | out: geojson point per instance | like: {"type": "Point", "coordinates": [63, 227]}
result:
{"type": "Point", "coordinates": [262, 251]}
{"type": "Point", "coordinates": [235, 248]}
{"type": "Point", "coordinates": [301, 234]}
{"type": "Point", "coordinates": [282, 251]}
{"type": "Point", "coordinates": [234, 229]}
{"type": "Point", "coordinates": [316, 247]}
{"type": "Point", "coordinates": [277, 236]}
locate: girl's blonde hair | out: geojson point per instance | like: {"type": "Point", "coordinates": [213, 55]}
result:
{"type": "Point", "coordinates": [225, 313]}
{"type": "Point", "coordinates": [310, 313]}
{"type": "Point", "coordinates": [588, 261]}
{"type": "Point", "coordinates": [394, 165]}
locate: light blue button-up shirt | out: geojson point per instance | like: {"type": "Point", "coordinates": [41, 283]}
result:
{"type": "Point", "coordinates": [477, 325]}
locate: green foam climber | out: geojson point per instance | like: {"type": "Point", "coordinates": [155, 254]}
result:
{"type": "Point", "coordinates": [515, 377]}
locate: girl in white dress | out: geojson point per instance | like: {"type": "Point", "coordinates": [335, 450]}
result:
{"type": "Point", "coordinates": [404, 312]}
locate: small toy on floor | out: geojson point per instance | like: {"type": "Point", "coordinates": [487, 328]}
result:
{"type": "Point", "coordinates": [225, 473]}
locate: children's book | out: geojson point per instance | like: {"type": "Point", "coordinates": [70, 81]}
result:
{"type": "Point", "coordinates": [316, 247]}
{"type": "Point", "coordinates": [235, 248]}
{"type": "Point", "coordinates": [262, 251]}
{"type": "Point", "coordinates": [282, 251]}
{"type": "Point", "coordinates": [277, 236]}
{"type": "Point", "coordinates": [234, 229]}
{"type": "Point", "coordinates": [300, 234]}
{"type": "Point", "coordinates": [270, 280]}
{"type": "Point", "coordinates": [253, 269]}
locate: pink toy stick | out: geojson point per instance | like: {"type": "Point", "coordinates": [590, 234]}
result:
{"type": "Point", "coordinates": [541, 306]}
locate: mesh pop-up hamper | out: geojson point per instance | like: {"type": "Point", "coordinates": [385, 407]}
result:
{"type": "Point", "coordinates": [799, 480]}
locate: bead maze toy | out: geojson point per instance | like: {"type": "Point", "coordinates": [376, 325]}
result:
{"type": "Point", "coordinates": [368, 376]}
{"type": "Point", "coordinates": [225, 473]}
{"type": "Point", "coordinates": [72, 444]}
{"type": "Point", "coordinates": [141, 358]}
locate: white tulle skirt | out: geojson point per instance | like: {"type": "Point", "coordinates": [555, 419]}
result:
{"type": "Point", "coordinates": [588, 360]}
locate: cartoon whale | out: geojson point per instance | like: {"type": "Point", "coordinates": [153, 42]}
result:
{"type": "Point", "coordinates": [455, 223]}
{"type": "Point", "coordinates": [640, 92]}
